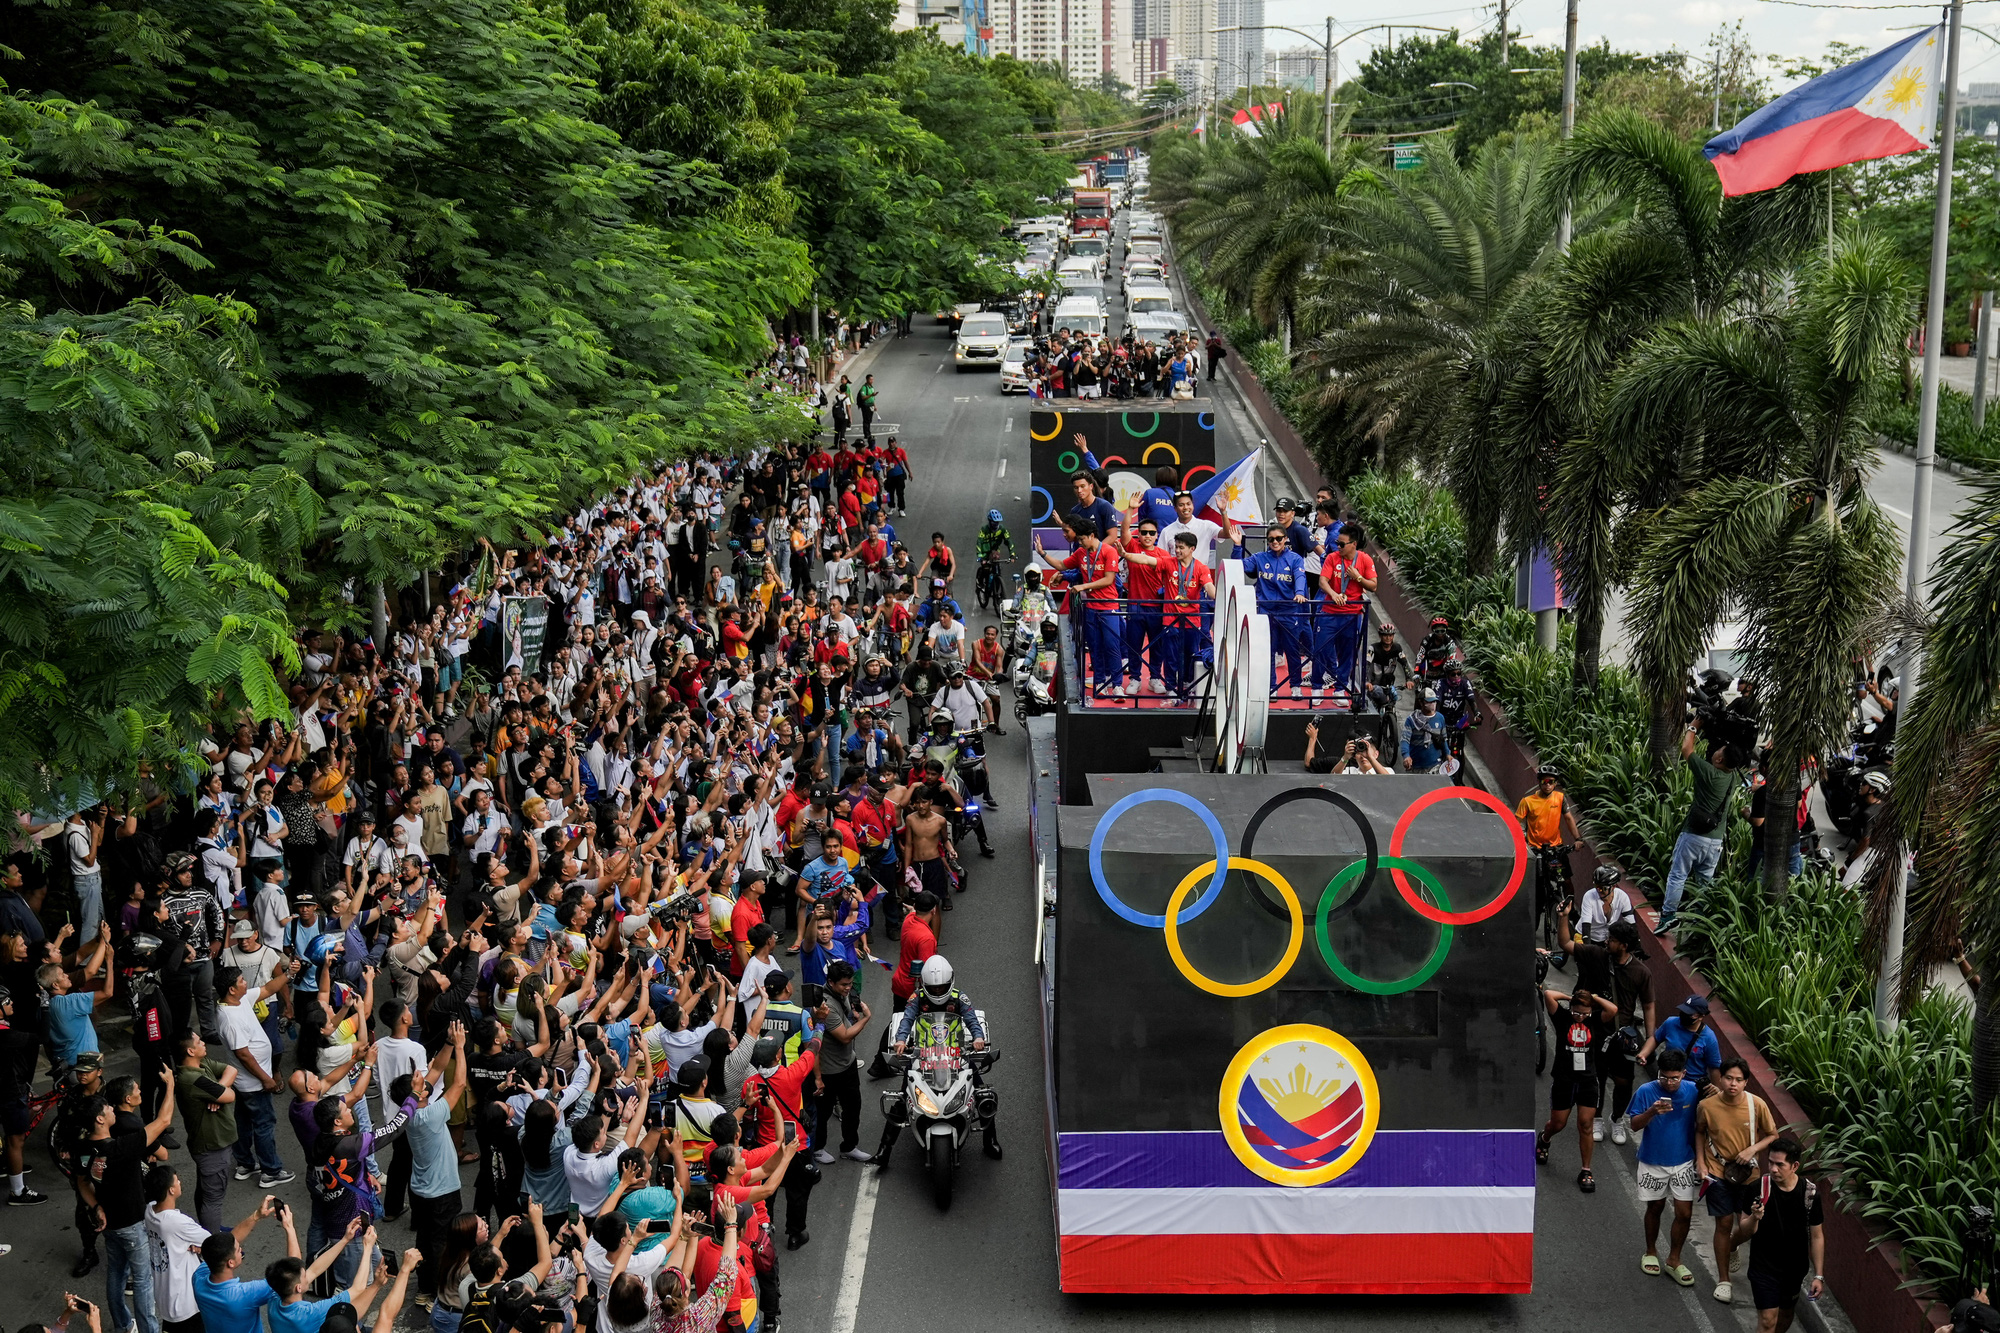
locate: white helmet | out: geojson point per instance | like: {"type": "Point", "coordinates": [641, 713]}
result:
{"type": "Point", "coordinates": [937, 977]}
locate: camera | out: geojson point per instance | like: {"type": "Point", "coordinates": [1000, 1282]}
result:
{"type": "Point", "coordinates": [675, 909]}
{"type": "Point", "coordinates": [1712, 717]}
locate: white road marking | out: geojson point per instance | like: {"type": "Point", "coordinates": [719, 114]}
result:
{"type": "Point", "coordinates": [1009, 425]}
{"type": "Point", "coordinates": [1003, 468]}
{"type": "Point", "coordinates": [847, 1303]}
{"type": "Point", "coordinates": [1263, 1321]}
{"type": "Point", "coordinates": [1697, 1305]}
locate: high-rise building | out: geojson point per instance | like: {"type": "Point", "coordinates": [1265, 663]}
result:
{"type": "Point", "coordinates": [1239, 50]}
{"type": "Point", "coordinates": [965, 23]}
{"type": "Point", "coordinates": [1298, 67]}
{"type": "Point", "coordinates": [1085, 37]}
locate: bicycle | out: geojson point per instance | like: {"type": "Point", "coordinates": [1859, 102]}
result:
{"type": "Point", "coordinates": [988, 587]}
{"type": "Point", "coordinates": [1553, 895]}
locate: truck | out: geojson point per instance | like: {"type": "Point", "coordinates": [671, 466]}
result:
{"type": "Point", "coordinates": [1090, 211]}
{"type": "Point", "coordinates": [1113, 170]}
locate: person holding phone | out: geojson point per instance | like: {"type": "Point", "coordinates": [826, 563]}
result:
{"type": "Point", "coordinates": [1663, 1112]}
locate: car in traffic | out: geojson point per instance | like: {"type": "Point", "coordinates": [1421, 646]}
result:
{"type": "Point", "coordinates": [1014, 377]}
{"type": "Point", "coordinates": [1148, 300]}
{"type": "Point", "coordinates": [1155, 325]}
{"type": "Point", "coordinates": [981, 341]}
{"type": "Point", "coordinates": [1079, 315]}
{"type": "Point", "coordinates": [1095, 246]}
{"type": "Point", "coordinates": [1075, 271]}
{"type": "Point", "coordinates": [1143, 273]}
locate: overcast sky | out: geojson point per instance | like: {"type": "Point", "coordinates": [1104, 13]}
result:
{"type": "Point", "coordinates": [1773, 29]}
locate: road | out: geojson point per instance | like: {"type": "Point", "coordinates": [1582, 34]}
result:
{"type": "Point", "coordinates": [881, 1257]}
{"type": "Point", "coordinates": [906, 1265]}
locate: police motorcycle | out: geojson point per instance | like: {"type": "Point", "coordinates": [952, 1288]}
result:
{"type": "Point", "coordinates": [942, 1098]}
{"type": "Point", "coordinates": [1035, 675]}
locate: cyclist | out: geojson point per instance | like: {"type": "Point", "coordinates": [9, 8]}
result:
{"type": "Point", "coordinates": [1437, 648]}
{"type": "Point", "coordinates": [1550, 823]}
{"type": "Point", "coordinates": [939, 560]}
{"type": "Point", "coordinates": [994, 536]}
{"type": "Point", "coordinates": [1458, 703]}
{"type": "Point", "coordinates": [940, 599]}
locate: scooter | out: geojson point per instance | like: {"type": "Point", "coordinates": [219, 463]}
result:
{"type": "Point", "coordinates": [939, 1104]}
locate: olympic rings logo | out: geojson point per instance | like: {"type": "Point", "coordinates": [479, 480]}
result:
{"type": "Point", "coordinates": [1342, 894]}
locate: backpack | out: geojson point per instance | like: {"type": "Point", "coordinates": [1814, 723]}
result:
{"type": "Point", "coordinates": [482, 1310]}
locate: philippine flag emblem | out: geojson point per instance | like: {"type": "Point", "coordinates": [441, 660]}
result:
{"type": "Point", "coordinates": [1299, 1105]}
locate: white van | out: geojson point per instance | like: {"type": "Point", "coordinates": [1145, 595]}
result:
{"type": "Point", "coordinates": [1075, 270]}
{"type": "Point", "coordinates": [1079, 315]}
{"type": "Point", "coordinates": [1148, 300]}
{"type": "Point", "coordinates": [982, 341]}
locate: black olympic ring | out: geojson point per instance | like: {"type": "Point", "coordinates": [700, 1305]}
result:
{"type": "Point", "coordinates": [1279, 910]}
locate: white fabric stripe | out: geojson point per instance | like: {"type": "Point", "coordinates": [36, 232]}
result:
{"type": "Point", "coordinates": [1275, 1210]}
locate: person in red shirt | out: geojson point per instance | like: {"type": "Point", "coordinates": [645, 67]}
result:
{"type": "Point", "coordinates": [735, 639]}
{"type": "Point", "coordinates": [896, 475]}
{"type": "Point", "coordinates": [1096, 564]}
{"type": "Point", "coordinates": [1148, 573]}
{"type": "Point", "coordinates": [747, 913]}
{"type": "Point", "coordinates": [1190, 593]}
{"type": "Point", "coordinates": [739, 1309]}
{"type": "Point", "coordinates": [1346, 577]}
{"type": "Point", "coordinates": [920, 929]}
{"type": "Point", "coordinates": [774, 1102]}
{"type": "Point", "coordinates": [850, 508]}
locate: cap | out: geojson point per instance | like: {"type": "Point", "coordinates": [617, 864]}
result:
{"type": "Point", "coordinates": [89, 1060]}
{"type": "Point", "coordinates": [1287, 502]}
{"type": "Point", "coordinates": [693, 1072]}
{"type": "Point", "coordinates": [242, 929]}
{"type": "Point", "coordinates": [1693, 1005]}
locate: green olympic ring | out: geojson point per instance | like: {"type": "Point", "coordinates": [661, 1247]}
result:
{"type": "Point", "coordinates": [1331, 893]}
{"type": "Point", "coordinates": [1073, 464]}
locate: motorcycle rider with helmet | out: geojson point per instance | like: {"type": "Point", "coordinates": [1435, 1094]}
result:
{"type": "Point", "coordinates": [938, 996]}
{"type": "Point", "coordinates": [1425, 741]}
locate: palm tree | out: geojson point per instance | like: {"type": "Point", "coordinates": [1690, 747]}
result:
{"type": "Point", "coordinates": [1774, 518]}
{"type": "Point", "coordinates": [1414, 321]}
{"type": "Point", "coordinates": [1676, 249]}
{"type": "Point", "coordinates": [1946, 799]}
{"type": "Point", "coordinates": [1262, 213]}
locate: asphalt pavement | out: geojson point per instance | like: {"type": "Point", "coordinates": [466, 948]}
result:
{"type": "Point", "coordinates": [881, 1255]}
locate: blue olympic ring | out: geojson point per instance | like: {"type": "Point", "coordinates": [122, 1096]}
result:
{"type": "Point", "coordinates": [1206, 420]}
{"type": "Point", "coordinates": [1046, 513]}
{"type": "Point", "coordinates": [1171, 797]}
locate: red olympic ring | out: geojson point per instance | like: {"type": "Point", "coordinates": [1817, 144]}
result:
{"type": "Point", "coordinates": [1491, 802]}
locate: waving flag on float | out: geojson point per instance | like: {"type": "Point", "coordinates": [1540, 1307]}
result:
{"type": "Point", "coordinates": [1232, 492]}
{"type": "Point", "coordinates": [1878, 107]}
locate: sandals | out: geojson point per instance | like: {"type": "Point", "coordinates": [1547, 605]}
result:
{"type": "Point", "coordinates": [1650, 1264]}
{"type": "Point", "coordinates": [1682, 1274]}
{"type": "Point", "coordinates": [1586, 1182]}
{"type": "Point", "coordinates": [1541, 1146]}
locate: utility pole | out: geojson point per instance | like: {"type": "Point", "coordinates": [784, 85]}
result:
{"type": "Point", "coordinates": [1715, 120]}
{"type": "Point", "coordinates": [1328, 108]}
{"type": "Point", "coordinates": [1503, 35]}
{"type": "Point", "coordinates": [1548, 623]}
{"type": "Point", "coordinates": [1889, 975]}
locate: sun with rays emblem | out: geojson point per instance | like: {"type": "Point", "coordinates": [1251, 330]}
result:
{"type": "Point", "coordinates": [1299, 1105]}
{"type": "Point", "coordinates": [1905, 92]}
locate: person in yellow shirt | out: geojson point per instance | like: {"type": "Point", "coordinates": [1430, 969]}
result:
{"type": "Point", "coordinates": [1545, 814]}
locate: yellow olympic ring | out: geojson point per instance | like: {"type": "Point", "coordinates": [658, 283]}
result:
{"type": "Point", "coordinates": [1239, 1069]}
{"type": "Point", "coordinates": [1054, 430]}
{"type": "Point", "coordinates": [1269, 979]}
{"type": "Point", "coordinates": [1172, 452]}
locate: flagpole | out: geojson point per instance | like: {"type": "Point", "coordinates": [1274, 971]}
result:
{"type": "Point", "coordinates": [1888, 975]}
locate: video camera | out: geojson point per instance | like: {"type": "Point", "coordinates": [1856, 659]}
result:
{"type": "Point", "coordinates": [1712, 717]}
{"type": "Point", "coordinates": [676, 908]}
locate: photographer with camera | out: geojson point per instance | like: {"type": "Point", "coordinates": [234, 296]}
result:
{"type": "Point", "coordinates": [1698, 849]}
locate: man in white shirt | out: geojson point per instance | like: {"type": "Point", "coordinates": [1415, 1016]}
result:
{"type": "Point", "coordinates": [368, 858]}
{"type": "Point", "coordinates": [591, 1160]}
{"type": "Point", "coordinates": [1206, 548]}
{"type": "Point", "coordinates": [249, 1050]}
{"type": "Point", "coordinates": [176, 1244]}
{"type": "Point", "coordinates": [395, 1056]}
{"type": "Point", "coordinates": [965, 701]}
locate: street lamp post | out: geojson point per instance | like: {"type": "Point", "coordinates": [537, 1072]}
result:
{"type": "Point", "coordinates": [1327, 48]}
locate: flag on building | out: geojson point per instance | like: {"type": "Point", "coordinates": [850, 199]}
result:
{"type": "Point", "coordinates": [1878, 107]}
{"type": "Point", "coordinates": [1232, 492]}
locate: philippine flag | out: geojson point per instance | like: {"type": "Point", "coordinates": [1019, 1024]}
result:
{"type": "Point", "coordinates": [1878, 107]}
{"type": "Point", "coordinates": [1232, 492]}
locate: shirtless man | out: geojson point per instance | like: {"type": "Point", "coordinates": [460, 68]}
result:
{"type": "Point", "coordinates": [926, 839]}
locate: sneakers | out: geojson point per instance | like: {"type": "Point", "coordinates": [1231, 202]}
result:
{"type": "Point", "coordinates": [1597, 1131]}
{"type": "Point", "coordinates": [245, 1172]}
{"type": "Point", "coordinates": [1129, 688]}
{"type": "Point", "coordinates": [1159, 686]}
{"type": "Point", "coordinates": [271, 1179]}
{"type": "Point", "coordinates": [1298, 692]}
{"type": "Point", "coordinates": [858, 1155]}
{"type": "Point", "coordinates": [1723, 1291]}
{"type": "Point", "coordinates": [1621, 1130]}
{"type": "Point", "coordinates": [823, 1157]}
{"type": "Point", "coordinates": [1315, 694]}
{"type": "Point", "coordinates": [26, 1198]}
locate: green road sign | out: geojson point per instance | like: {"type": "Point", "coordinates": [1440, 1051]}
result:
{"type": "Point", "coordinates": [1409, 156]}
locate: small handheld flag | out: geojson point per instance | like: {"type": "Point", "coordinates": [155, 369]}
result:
{"type": "Point", "coordinates": [1878, 107]}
